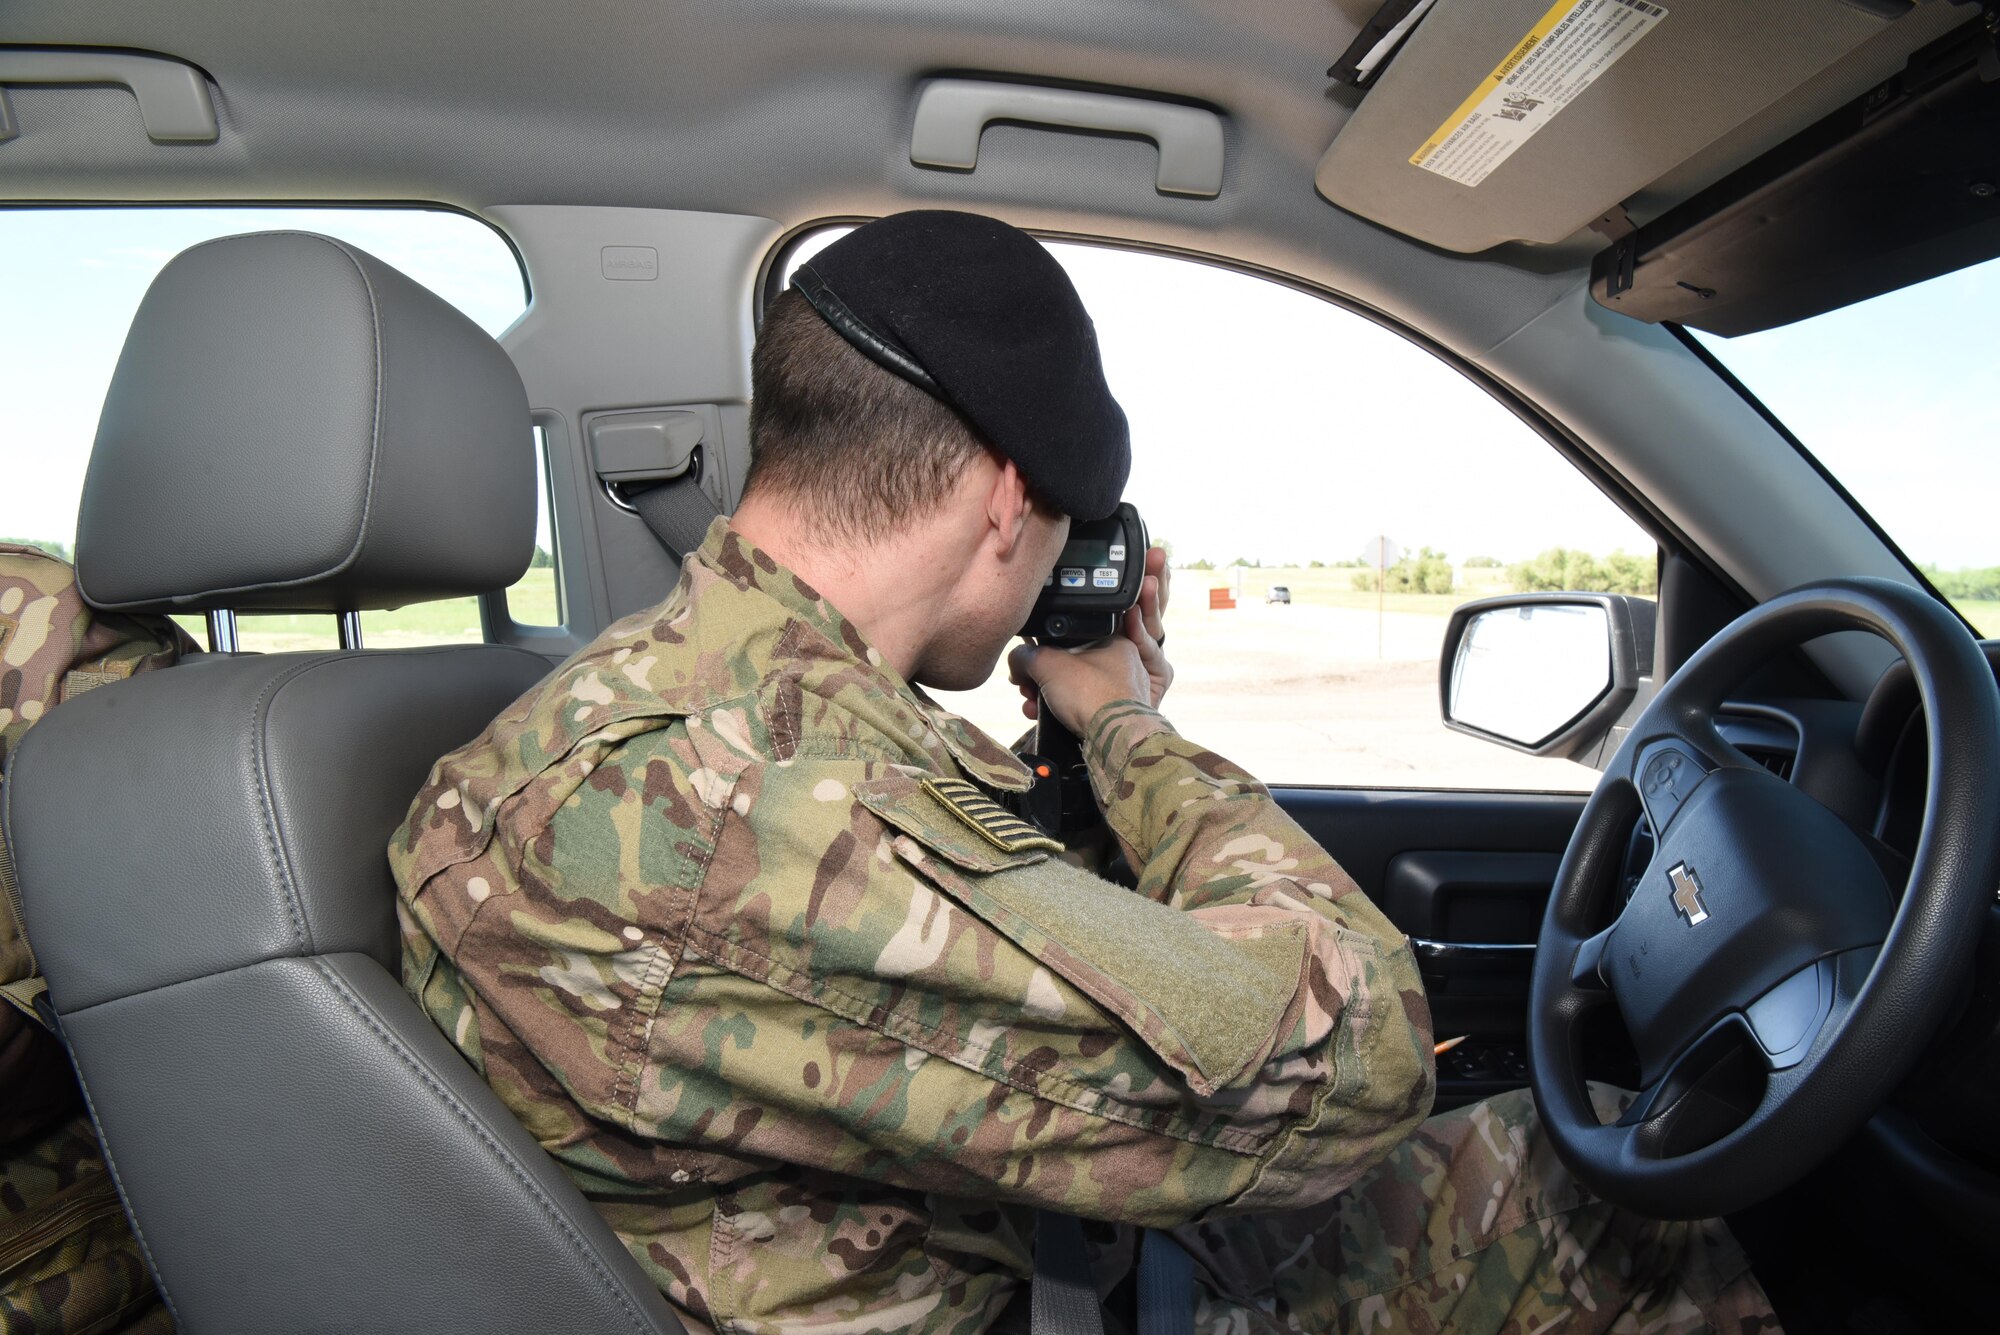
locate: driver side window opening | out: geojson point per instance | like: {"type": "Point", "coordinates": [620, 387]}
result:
{"type": "Point", "coordinates": [1328, 492]}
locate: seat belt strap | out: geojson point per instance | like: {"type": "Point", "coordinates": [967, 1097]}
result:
{"type": "Point", "coordinates": [21, 993]}
{"type": "Point", "coordinates": [21, 996]}
{"type": "Point", "coordinates": [678, 511]}
{"type": "Point", "coordinates": [1064, 1299]}
{"type": "Point", "coordinates": [1166, 1286]}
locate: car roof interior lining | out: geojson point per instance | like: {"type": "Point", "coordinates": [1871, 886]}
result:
{"type": "Point", "coordinates": [803, 108]}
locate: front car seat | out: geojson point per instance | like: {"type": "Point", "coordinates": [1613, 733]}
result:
{"type": "Point", "coordinates": [201, 852]}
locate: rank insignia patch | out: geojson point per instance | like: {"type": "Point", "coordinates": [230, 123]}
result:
{"type": "Point", "coordinates": [995, 824]}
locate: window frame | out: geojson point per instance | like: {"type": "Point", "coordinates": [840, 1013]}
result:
{"type": "Point", "coordinates": [497, 621]}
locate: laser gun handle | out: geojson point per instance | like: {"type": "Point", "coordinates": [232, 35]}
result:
{"type": "Point", "coordinates": [1061, 800]}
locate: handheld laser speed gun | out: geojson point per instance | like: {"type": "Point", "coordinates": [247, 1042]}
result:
{"type": "Point", "coordinates": [1095, 582]}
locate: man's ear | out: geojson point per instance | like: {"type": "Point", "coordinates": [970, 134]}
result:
{"type": "Point", "coordinates": [1007, 506]}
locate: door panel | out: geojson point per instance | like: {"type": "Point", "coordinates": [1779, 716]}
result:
{"type": "Point", "coordinates": [1467, 876]}
{"type": "Point", "coordinates": [1473, 918]}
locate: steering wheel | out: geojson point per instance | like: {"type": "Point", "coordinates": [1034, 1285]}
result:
{"type": "Point", "coordinates": [1773, 986]}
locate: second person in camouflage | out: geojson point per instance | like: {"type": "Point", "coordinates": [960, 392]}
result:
{"type": "Point", "coordinates": [705, 911]}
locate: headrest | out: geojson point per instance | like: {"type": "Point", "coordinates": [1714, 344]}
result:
{"type": "Point", "coordinates": [295, 426]}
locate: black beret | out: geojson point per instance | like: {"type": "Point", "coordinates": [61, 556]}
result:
{"type": "Point", "coordinates": [980, 315]}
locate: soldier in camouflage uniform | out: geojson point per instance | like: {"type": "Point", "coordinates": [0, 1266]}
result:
{"type": "Point", "coordinates": [722, 912]}
{"type": "Point", "coordinates": [69, 1264]}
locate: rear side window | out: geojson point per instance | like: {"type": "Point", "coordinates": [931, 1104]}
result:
{"type": "Point", "coordinates": [73, 279]}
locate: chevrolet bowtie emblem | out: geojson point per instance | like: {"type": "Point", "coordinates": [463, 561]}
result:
{"type": "Point", "coordinates": [1687, 894]}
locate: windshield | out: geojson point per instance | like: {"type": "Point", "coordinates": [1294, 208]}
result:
{"type": "Point", "coordinates": [1899, 398]}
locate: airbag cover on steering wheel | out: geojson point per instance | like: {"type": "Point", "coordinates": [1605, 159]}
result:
{"type": "Point", "coordinates": [1783, 883]}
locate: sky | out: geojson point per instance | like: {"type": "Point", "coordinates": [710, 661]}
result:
{"type": "Point", "coordinates": [1267, 424]}
{"type": "Point", "coordinates": [1899, 397]}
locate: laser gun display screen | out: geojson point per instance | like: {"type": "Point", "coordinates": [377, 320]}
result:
{"type": "Point", "coordinates": [1087, 555]}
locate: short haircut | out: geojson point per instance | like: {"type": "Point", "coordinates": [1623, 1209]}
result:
{"type": "Point", "coordinates": [857, 450]}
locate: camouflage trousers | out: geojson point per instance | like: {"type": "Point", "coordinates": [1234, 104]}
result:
{"type": "Point", "coordinates": [1472, 1226]}
{"type": "Point", "coordinates": [69, 1264]}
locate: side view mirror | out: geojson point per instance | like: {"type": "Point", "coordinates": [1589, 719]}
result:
{"type": "Point", "coordinates": [1552, 674]}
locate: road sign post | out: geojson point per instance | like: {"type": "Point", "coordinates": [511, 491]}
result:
{"type": "Point", "coordinates": [1382, 552]}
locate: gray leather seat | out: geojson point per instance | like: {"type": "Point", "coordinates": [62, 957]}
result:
{"type": "Point", "coordinates": [201, 852]}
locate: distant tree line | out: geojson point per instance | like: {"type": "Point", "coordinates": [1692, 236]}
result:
{"type": "Point", "coordinates": [1428, 570]}
{"type": "Point", "coordinates": [1982, 585]}
{"type": "Point", "coordinates": [52, 548]}
{"type": "Point", "coordinates": [1570, 569]}
{"type": "Point", "coordinates": [1423, 571]}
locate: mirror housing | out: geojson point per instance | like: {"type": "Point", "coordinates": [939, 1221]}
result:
{"type": "Point", "coordinates": [1551, 674]}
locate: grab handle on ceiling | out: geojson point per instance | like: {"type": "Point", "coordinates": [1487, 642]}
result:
{"type": "Point", "coordinates": [952, 113]}
{"type": "Point", "coordinates": [173, 95]}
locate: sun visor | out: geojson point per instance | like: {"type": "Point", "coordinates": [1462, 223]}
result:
{"type": "Point", "coordinates": [1898, 186]}
{"type": "Point", "coordinates": [1521, 120]}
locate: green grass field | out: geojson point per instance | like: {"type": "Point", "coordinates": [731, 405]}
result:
{"type": "Point", "coordinates": [532, 602]}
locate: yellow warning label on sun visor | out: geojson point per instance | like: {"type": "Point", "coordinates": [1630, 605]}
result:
{"type": "Point", "coordinates": [1562, 55]}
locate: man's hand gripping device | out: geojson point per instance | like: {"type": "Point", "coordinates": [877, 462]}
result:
{"type": "Point", "coordinates": [1096, 581]}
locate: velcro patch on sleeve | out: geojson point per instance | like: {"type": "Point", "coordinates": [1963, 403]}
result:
{"type": "Point", "coordinates": [991, 821]}
{"type": "Point", "coordinates": [77, 681]}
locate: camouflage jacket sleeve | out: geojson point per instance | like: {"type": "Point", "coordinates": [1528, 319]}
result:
{"type": "Point", "coordinates": [1351, 1055]}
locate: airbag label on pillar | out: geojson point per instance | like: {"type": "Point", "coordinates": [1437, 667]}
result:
{"type": "Point", "coordinates": [630, 264]}
{"type": "Point", "coordinates": [1564, 54]}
